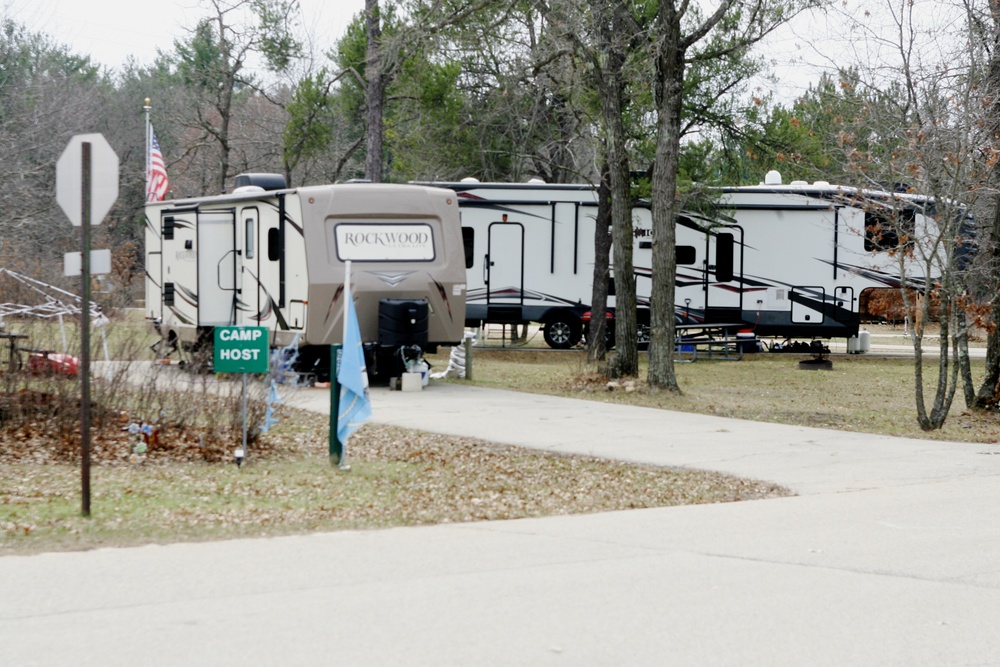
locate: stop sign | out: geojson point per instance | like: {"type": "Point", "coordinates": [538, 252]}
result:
{"type": "Point", "coordinates": [103, 178]}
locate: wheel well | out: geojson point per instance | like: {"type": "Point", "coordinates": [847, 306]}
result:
{"type": "Point", "coordinates": [553, 314]}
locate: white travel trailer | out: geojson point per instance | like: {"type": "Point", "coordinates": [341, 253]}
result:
{"type": "Point", "coordinates": [530, 255]}
{"type": "Point", "coordinates": [781, 260]}
{"type": "Point", "coordinates": [270, 256]}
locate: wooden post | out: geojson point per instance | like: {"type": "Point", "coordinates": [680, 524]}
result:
{"type": "Point", "coordinates": [468, 357]}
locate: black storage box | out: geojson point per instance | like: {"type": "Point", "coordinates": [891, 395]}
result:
{"type": "Point", "coordinates": [402, 322]}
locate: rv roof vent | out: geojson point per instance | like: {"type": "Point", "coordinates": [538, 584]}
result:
{"type": "Point", "coordinates": [773, 177]}
{"type": "Point", "coordinates": [247, 188]}
{"type": "Point", "coordinates": [535, 181]}
{"type": "Point", "coordinates": [822, 184]}
{"type": "Point", "coordinates": [358, 180]}
{"type": "Point", "coordinates": [470, 179]}
{"type": "Point", "coordinates": [798, 184]}
{"type": "Point", "coordinates": [263, 181]}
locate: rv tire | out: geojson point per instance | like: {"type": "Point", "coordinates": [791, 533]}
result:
{"type": "Point", "coordinates": [562, 330]}
{"type": "Point", "coordinates": [642, 337]}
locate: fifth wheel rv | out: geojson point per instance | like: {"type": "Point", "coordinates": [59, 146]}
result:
{"type": "Point", "coordinates": [266, 255]}
{"type": "Point", "coordinates": [781, 260]}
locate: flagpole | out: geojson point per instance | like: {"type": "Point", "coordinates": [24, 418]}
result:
{"type": "Point", "coordinates": [347, 294]}
{"type": "Point", "coordinates": [147, 108]}
{"type": "Point", "coordinates": [349, 397]}
{"type": "Point", "coordinates": [343, 464]}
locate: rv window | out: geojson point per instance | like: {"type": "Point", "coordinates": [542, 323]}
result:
{"type": "Point", "coordinates": [469, 242]}
{"type": "Point", "coordinates": [724, 257]}
{"type": "Point", "coordinates": [885, 228]}
{"type": "Point", "coordinates": [249, 238]}
{"type": "Point", "coordinates": [168, 228]}
{"type": "Point", "coordinates": [273, 245]}
{"type": "Point", "coordinates": [686, 254]}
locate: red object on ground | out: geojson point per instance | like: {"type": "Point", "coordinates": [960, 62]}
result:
{"type": "Point", "coordinates": [45, 363]}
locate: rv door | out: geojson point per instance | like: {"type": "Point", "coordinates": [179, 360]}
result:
{"type": "Point", "coordinates": [216, 268]}
{"type": "Point", "coordinates": [248, 286]}
{"type": "Point", "coordinates": [504, 265]}
{"type": "Point", "coordinates": [724, 278]}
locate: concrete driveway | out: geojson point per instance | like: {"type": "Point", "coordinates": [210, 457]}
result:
{"type": "Point", "coordinates": [888, 557]}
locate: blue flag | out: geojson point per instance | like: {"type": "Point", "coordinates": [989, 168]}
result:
{"type": "Point", "coordinates": [355, 406]}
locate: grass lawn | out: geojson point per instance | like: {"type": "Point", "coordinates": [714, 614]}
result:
{"type": "Point", "coordinates": [402, 478]}
{"type": "Point", "coordinates": [870, 393]}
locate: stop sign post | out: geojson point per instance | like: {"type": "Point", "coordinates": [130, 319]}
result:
{"type": "Point", "coordinates": [104, 179]}
{"type": "Point", "coordinates": [86, 189]}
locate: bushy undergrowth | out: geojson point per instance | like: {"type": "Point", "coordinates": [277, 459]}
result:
{"type": "Point", "coordinates": [179, 416]}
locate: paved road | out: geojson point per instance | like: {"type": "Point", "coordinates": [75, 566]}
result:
{"type": "Point", "coordinates": [888, 557]}
{"type": "Point", "coordinates": [806, 460]}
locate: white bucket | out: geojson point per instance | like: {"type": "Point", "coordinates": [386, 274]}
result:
{"type": "Point", "coordinates": [411, 382]}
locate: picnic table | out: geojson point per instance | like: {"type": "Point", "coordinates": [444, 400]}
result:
{"type": "Point", "coordinates": [706, 340]}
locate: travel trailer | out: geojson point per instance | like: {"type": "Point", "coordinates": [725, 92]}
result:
{"type": "Point", "coordinates": [530, 255]}
{"type": "Point", "coordinates": [266, 255]}
{"type": "Point", "coordinates": [780, 260]}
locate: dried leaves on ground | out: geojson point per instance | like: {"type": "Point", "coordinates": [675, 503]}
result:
{"type": "Point", "coordinates": [397, 477]}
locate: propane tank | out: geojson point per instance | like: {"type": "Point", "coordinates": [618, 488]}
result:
{"type": "Point", "coordinates": [864, 341]}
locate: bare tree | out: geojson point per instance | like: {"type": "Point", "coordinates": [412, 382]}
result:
{"type": "Point", "coordinates": [213, 64]}
{"type": "Point", "coordinates": [375, 91]}
{"type": "Point", "coordinates": [983, 19]}
{"type": "Point", "coordinates": [386, 55]}
{"type": "Point", "coordinates": [606, 36]}
{"type": "Point", "coordinates": [733, 26]}
{"type": "Point", "coordinates": [922, 104]}
{"type": "Point", "coordinates": [47, 94]}
{"type": "Point", "coordinates": [616, 32]}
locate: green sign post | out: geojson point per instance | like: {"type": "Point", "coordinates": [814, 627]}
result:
{"type": "Point", "coordinates": [336, 446]}
{"type": "Point", "coordinates": [241, 350]}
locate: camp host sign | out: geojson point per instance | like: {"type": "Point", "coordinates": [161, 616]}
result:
{"type": "Point", "coordinates": [372, 242]}
{"type": "Point", "coordinates": [241, 350]}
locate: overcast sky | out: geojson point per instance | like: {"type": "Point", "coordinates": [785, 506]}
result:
{"type": "Point", "coordinates": [111, 30]}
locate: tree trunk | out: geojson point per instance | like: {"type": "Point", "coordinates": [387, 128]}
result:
{"type": "Point", "coordinates": [225, 113]}
{"type": "Point", "coordinates": [597, 333]}
{"type": "Point", "coordinates": [611, 85]}
{"type": "Point", "coordinates": [225, 101]}
{"type": "Point", "coordinates": [947, 372]}
{"type": "Point", "coordinates": [669, 97]}
{"type": "Point", "coordinates": [375, 93]}
{"type": "Point", "coordinates": [989, 391]}
{"type": "Point", "coordinates": [962, 357]}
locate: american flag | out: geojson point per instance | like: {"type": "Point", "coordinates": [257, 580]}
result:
{"type": "Point", "coordinates": [156, 180]}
